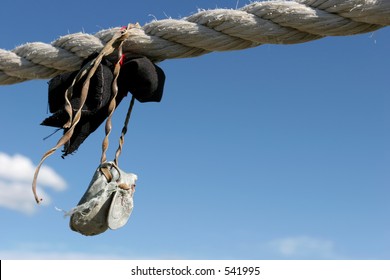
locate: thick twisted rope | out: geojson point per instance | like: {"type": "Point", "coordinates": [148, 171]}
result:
{"type": "Point", "coordinates": [266, 22]}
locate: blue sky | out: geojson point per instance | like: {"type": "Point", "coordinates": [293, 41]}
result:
{"type": "Point", "coordinates": [276, 152]}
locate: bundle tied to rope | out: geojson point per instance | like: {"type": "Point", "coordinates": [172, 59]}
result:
{"type": "Point", "coordinates": [79, 102]}
{"type": "Point", "coordinates": [264, 22]}
{"type": "Point", "coordinates": [87, 71]}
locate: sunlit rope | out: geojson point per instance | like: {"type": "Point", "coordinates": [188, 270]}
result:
{"type": "Point", "coordinates": [265, 22]}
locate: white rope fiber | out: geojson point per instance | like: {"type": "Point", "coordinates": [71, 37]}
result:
{"type": "Point", "coordinates": [265, 22]}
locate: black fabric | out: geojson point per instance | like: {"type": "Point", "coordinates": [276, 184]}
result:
{"type": "Point", "coordinates": [144, 79]}
{"type": "Point", "coordinates": [99, 88]}
{"type": "Point", "coordinates": [95, 109]}
{"type": "Point", "coordinates": [57, 88]}
{"type": "Point", "coordinates": [139, 75]}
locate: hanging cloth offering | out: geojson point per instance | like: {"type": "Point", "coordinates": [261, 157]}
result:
{"type": "Point", "coordinates": [138, 75]}
{"type": "Point", "coordinates": [79, 102]}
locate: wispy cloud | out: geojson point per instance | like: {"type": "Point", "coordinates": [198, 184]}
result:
{"type": "Point", "coordinates": [16, 173]}
{"type": "Point", "coordinates": [303, 247]}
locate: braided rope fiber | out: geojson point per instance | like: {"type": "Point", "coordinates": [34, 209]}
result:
{"type": "Point", "coordinates": [265, 22]}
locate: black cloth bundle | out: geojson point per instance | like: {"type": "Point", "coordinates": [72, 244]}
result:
{"type": "Point", "coordinates": [138, 75]}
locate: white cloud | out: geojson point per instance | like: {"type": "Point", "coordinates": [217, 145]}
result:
{"type": "Point", "coordinates": [16, 174]}
{"type": "Point", "coordinates": [21, 169]}
{"type": "Point", "coordinates": [303, 247]}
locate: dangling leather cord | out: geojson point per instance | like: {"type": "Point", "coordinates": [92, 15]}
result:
{"type": "Point", "coordinates": [112, 105]}
{"type": "Point", "coordinates": [89, 69]}
{"type": "Point", "coordinates": [124, 131]}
